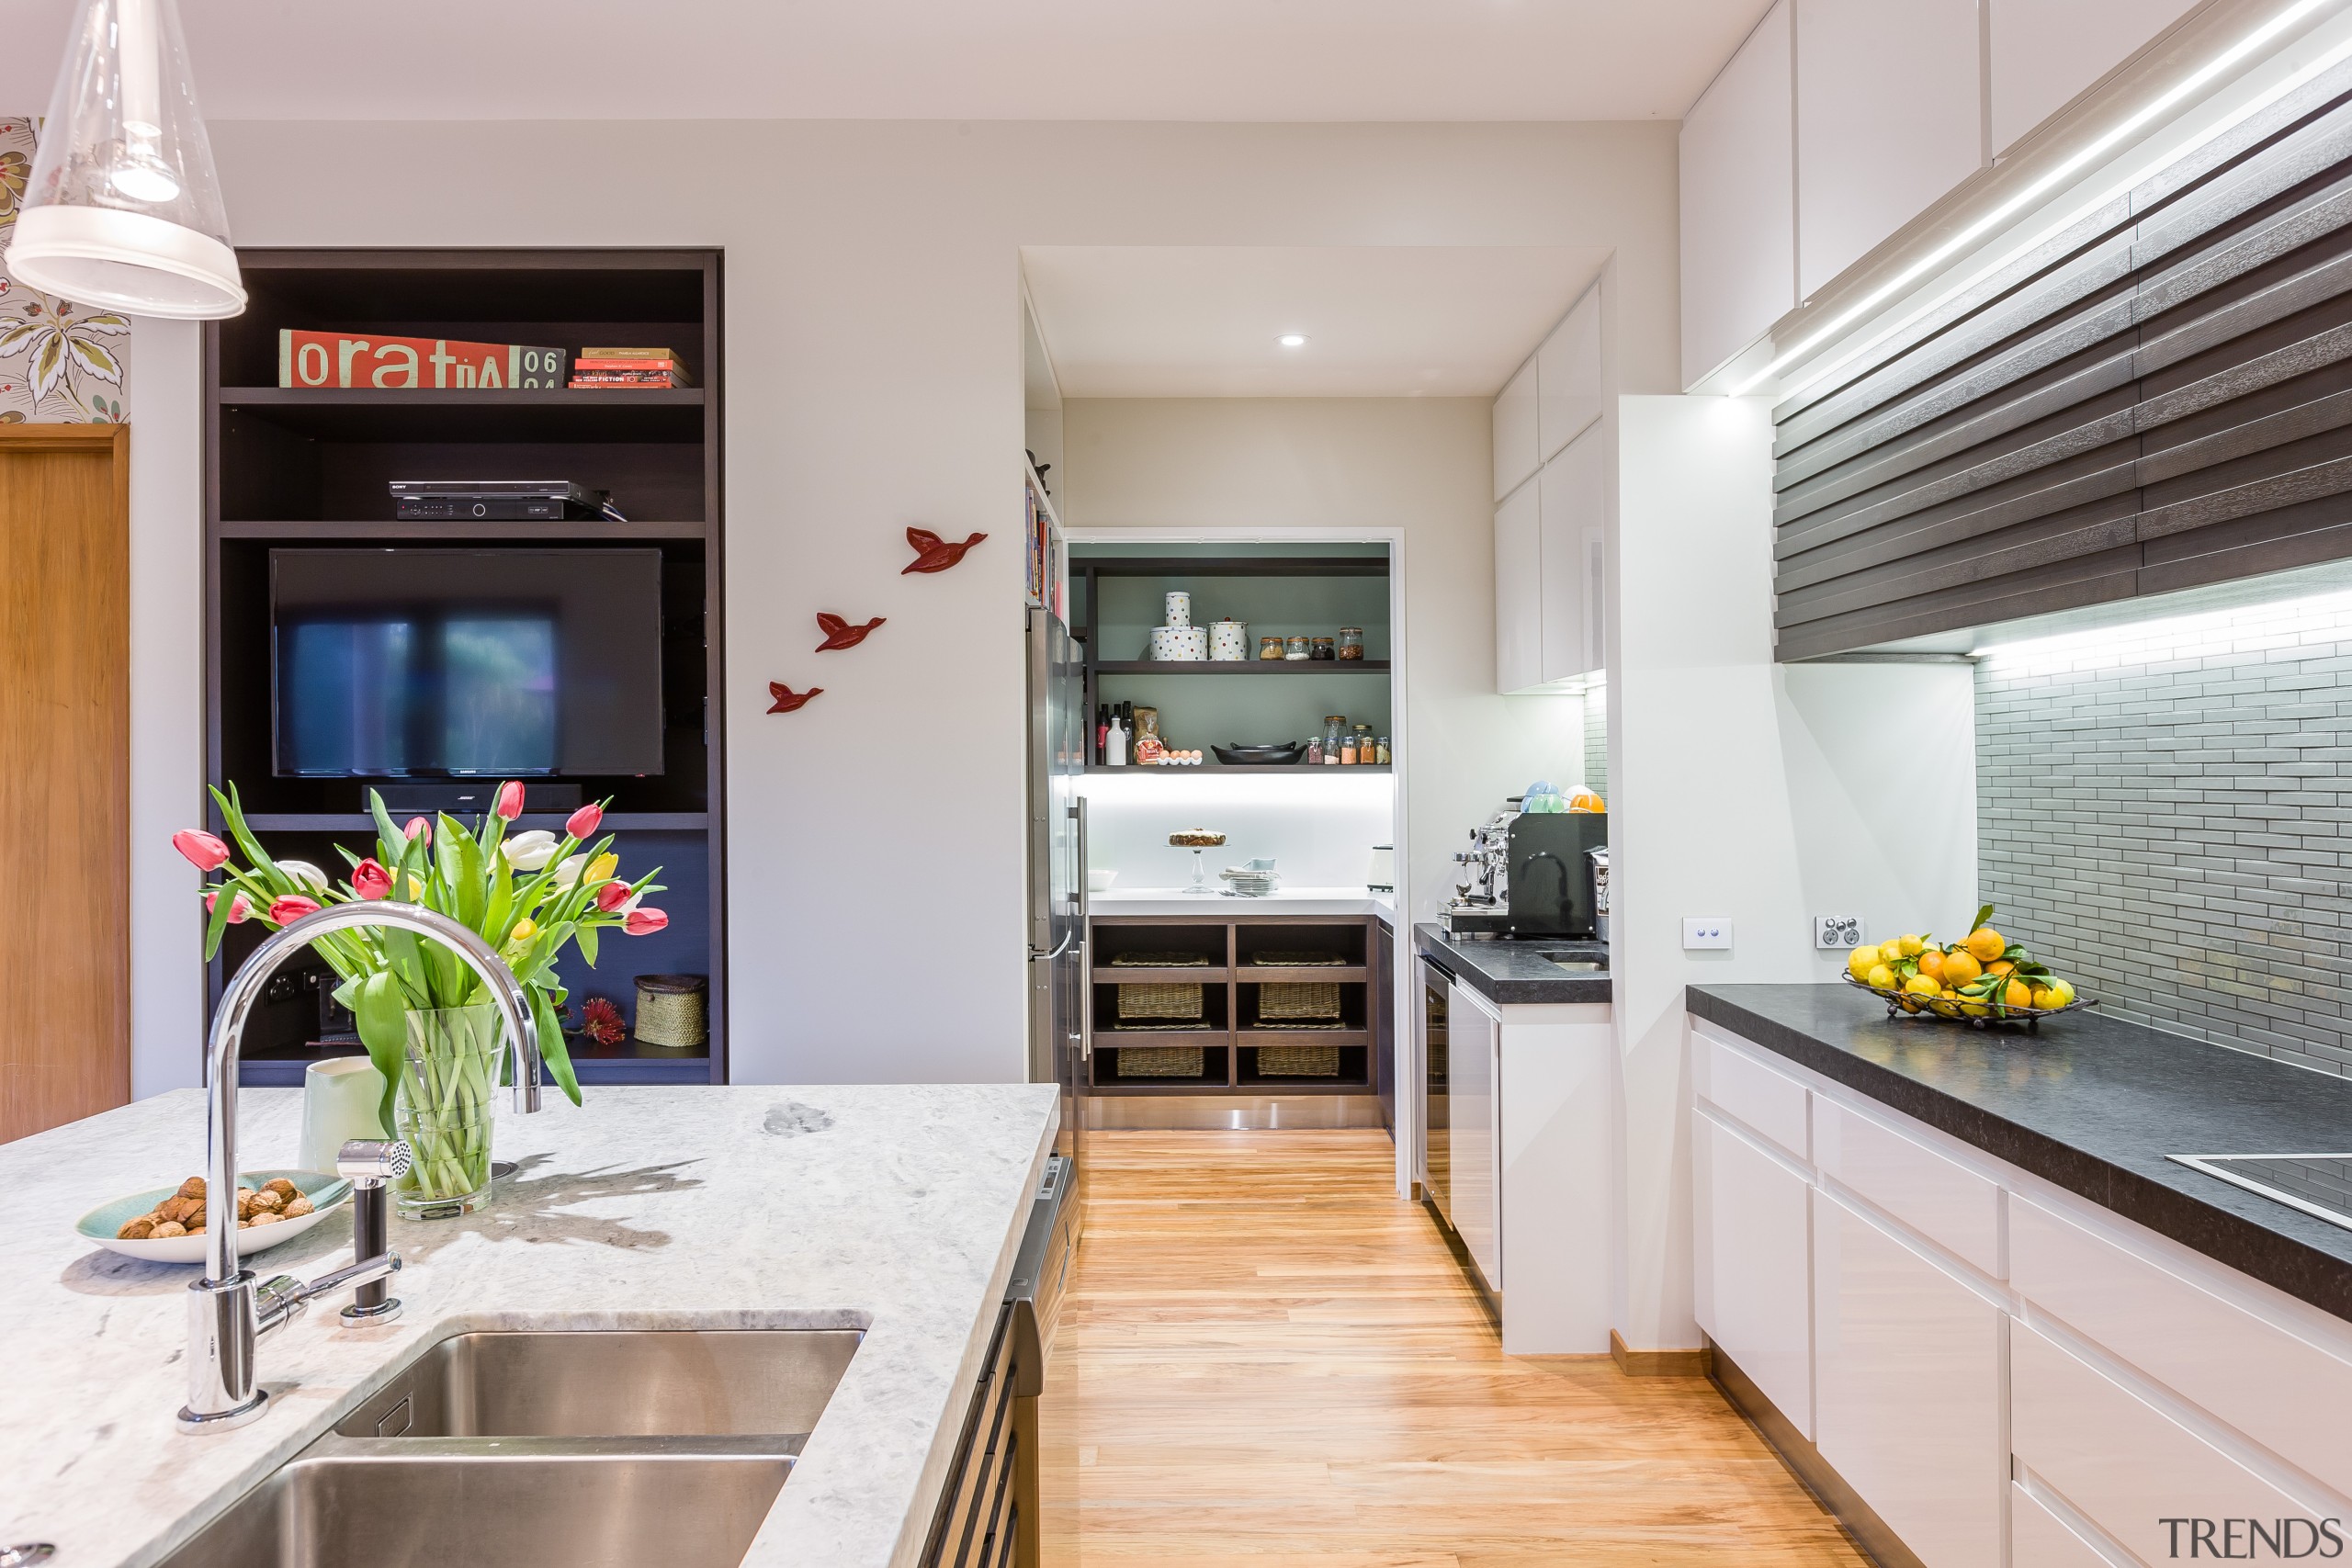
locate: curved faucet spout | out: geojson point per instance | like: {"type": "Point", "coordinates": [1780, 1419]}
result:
{"type": "Point", "coordinates": [224, 1314]}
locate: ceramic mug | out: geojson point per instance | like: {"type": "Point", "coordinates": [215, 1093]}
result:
{"type": "Point", "coordinates": [1179, 609]}
{"type": "Point", "coordinates": [342, 1098]}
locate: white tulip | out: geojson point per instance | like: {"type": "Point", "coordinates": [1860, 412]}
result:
{"type": "Point", "coordinates": [303, 871]}
{"type": "Point", "coordinates": [568, 874]}
{"type": "Point", "coordinates": [529, 851]}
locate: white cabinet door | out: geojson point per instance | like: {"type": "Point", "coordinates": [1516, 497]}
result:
{"type": "Point", "coordinates": [1473, 1051]}
{"type": "Point", "coordinates": [1573, 496]}
{"type": "Point", "coordinates": [2046, 51]}
{"type": "Point", "coordinates": [1567, 375]}
{"type": "Point", "coordinates": [1753, 1270]}
{"type": "Point", "coordinates": [1907, 1383]}
{"type": "Point", "coordinates": [1890, 117]}
{"type": "Point", "coordinates": [1739, 195]}
{"type": "Point", "coordinates": [1516, 456]}
{"type": "Point", "coordinates": [1519, 590]}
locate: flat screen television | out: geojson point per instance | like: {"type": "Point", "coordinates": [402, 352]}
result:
{"type": "Point", "coordinates": [458, 663]}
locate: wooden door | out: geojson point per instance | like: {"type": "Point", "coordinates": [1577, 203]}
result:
{"type": "Point", "coordinates": [64, 774]}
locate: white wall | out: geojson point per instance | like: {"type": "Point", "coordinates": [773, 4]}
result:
{"type": "Point", "coordinates": [1761, 792]}
{"type": "Point", "coordinates": [1319, 829]}
{"type": "Point", "coordinates": [1423, 465]}
{"type": "Point", "coordinates": [875, 380]}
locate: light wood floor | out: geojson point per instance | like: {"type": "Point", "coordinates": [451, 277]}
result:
{"type": "Point", "coordinates": [1266, 1358]}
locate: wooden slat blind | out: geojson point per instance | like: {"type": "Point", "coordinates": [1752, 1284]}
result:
{"type": "Point", "coordinates": [2160, 398]}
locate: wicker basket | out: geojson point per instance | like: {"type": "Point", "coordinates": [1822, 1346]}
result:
{"type": "Point", "coordinates": [1160, 1001]}
{"type": "Point", "coordinates": [1299, 1061]}
{"type": "Point", "coordinates": [1300, 1001]}
{"type": "Point", "coordinates": [1160, 1061]}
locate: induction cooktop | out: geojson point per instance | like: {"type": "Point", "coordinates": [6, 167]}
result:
{"type": "Point", "coordinates": [2317, 1184]}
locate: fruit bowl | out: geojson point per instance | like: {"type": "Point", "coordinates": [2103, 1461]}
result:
{"type": "Point", "coordinates": [1976, 1014]}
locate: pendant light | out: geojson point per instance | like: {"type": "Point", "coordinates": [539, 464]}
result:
{"type": "Point", "coordinates": [123, 209]}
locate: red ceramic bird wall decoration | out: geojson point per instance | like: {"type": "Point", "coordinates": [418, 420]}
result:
{"type": "Point", "coordinates": [788, 699]}
{"type": "Point", "coordinates": [840, 634]}
{"type": "Point", "coordinates": [933, 553]}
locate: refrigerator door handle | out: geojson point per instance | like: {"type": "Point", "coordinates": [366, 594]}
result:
{"type": "Point", "coordinates": [1059, 948]}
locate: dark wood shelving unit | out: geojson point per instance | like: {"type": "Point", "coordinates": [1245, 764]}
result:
{"type": "Point", "coordinates": [308, 467]}
{"type": "Point", "coordinates": [1243, 667]}
{"type": "Point", "coordinates": [1207, 766]}
{"type": "Point", "coordinates": [1229, 1047]}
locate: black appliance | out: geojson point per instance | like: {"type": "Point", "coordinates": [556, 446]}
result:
{"type": "Point", "coordinates": [455, 664]}
{"type": "Point", "coordinates": [503, 501]}
{"type": "Point", "coordinates": [1546, 878]}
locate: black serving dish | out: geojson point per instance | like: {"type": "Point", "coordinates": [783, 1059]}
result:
{"type": "Point", "coordinates": [1260, 756]}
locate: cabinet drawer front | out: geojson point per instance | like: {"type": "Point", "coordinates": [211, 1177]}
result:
{"type": "Point", "coordinates": [1749, 1091]}
{"type": "Point", "coordinates": [1908, 1388]}
{"type": "Point", "coordinates": [2280, 1388]}
{"type": "Point", "coordinates": [2125, 1465]}
{"type": "Point", "coordinates": [1754, 1265]}
{"type": "Point", "coordinates": [1935, 1195]}
{"type": "Point", "coordinates": [2040, 1538]}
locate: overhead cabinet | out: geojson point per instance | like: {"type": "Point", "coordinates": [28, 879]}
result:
{"type": "Point", "coordinates": [1567, 375]}
{"type": "Point", "coordinates": [1739, 195]}
{"type": "Point", "coordinates": [1517, 455]}
{"type": "Point", "coordinates": [1551, 530]}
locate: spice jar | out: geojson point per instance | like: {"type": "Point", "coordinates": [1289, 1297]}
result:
{"type": "Point", "coordinates": [1320, 648]}
{"type": "Point", "coordinates": [1351, 642]}
{"type": "Point", "coordinates": [1380, 752]}
{"type": "Point", "coordinates": [1294, 649]}
{"type": "Point", "coordinates": [1314, 750]}
{"type": "Point", "coordinates": [1363, 744]}
{"type": "Point", "coordinates": [1335, 732]}
{"type": "Point", "coordinates": [1270, 648]}
{"type": "Point", "coordinates": [1348, 750]}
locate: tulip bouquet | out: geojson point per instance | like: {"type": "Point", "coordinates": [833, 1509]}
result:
{"type": "Point", "coordinates": [421, 1014]}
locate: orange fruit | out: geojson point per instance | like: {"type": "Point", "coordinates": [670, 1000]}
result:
{"type": "Point", "coordinates": [1931, 964]}
{"type": "Point", "coordinates": [1999, 967]}
{"type": "Point", "coordinates": [1986, 944]}
{"type": "Point", "coordinates": [2018, 995]}
{"type": "Point", "coordinates": [1961, 966]}
{"type": "Point", "coordinates": [1585, 800]}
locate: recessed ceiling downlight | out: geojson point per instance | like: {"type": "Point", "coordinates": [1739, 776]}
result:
{"type": "Point", "coordinates": [1293, 340]}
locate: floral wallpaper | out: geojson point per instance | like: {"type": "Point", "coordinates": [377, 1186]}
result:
{"type": "Point", "coordinates": [60, 363]}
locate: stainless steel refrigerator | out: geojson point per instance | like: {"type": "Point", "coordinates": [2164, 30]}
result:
{"type": "Point", "coordinates": [1060, 739]}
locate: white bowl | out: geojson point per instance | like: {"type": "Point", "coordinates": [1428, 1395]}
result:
{"type": "Point", "coordinates": [326, 1192]}
{"type": "Point", "coordinates": [1100, 881]}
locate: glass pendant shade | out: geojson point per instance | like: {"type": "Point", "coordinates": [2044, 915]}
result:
{"type": "Point", "coordinates": [123, 209]}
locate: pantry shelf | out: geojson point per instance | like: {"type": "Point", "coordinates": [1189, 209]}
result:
{"type": "Point", "coordinates": [1243, 667]}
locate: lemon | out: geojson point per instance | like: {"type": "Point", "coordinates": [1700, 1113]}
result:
{"type": "Point", "coordinates": [1921, 986]}
{"type": "Point", "coordinates": [1862, 961]}
{"type": "Point", "coordinates": [1976, 1010]}
{"type": "Point", "coordinates": [1910, 946]}
{"type": "Point", "coordinates": [1880, 978]}
{"type": "Point", "coordinates": [1986, 944]}
{"type": "Point", "coordinates": [2062, 991]}
{"type": "Point", "coordinates": [1961, 966]}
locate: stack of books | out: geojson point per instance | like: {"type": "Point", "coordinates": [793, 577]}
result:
{"type": "Point", "coordinates": [629, 367]}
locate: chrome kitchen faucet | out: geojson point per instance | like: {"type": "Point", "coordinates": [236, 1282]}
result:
{"type": "Point", "coordinates": [227, 1312]}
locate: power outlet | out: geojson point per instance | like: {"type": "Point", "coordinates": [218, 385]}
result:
{"type": "Point", "coordinates": [1706, 934]}
{"type": "Point", "coordinates": [1836, 932]}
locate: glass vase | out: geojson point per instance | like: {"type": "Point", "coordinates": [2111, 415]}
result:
{"type": "Point", "coordinates": [449, 1082]}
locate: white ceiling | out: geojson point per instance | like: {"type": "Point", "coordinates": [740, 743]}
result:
{"type": "Point", "coordinates": [1175, 59]}
{"type": "Point", "coordinates": [1380, 321]}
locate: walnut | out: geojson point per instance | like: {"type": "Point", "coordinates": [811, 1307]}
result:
{"type": "Point", "coordinates": [139, 1229]}
{"type": "Point", "coordinates": [179, 1210]}
{"type": "Point", "coordinates": [295, 1207]}
{"type": "Point", "coordinates": [169, 1227]}
{"type": "Point", "coordinates": [286, 1190]}
{"type": "Point", "coordinates": [192, 1188]}
{"type": "Point", "coordinates": [264, 1200]}
{"type": "Point", "coordinates": [265, 1217]}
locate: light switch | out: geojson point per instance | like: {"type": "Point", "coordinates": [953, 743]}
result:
{"type": "Point", "coordinates": [1704, 934]}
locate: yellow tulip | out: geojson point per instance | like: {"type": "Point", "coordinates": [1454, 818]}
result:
{"type": "Point", "coordinates": [524, 930]}
{"type": "Point", "coordinates": [602, 868]}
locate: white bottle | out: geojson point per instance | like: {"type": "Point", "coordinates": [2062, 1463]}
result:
{"type": "Point", "coordinates": [1114, 745]}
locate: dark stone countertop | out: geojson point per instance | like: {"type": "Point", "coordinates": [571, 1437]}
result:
{"type": "Point", "coordinates": [2092, 1104]}
{"type": "Point", "coordinates": [1510, 972]}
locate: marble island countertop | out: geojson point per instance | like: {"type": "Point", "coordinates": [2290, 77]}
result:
{"type": "Point", "coordinates": [897, 1209]}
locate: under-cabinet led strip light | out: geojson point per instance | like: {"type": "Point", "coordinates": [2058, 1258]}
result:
{"type": "Point", "coordinates": [2049, 182]}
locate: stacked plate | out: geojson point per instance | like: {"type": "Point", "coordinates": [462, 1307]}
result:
{"type": "Point", "coordinates": [1252, 881]}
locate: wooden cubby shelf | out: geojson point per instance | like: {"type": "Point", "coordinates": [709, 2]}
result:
{"type": "Point", "coordinates": [308, 468]}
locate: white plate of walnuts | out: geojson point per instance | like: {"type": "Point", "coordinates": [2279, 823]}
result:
{"type": "Point", "coordinates": [166, 1225]}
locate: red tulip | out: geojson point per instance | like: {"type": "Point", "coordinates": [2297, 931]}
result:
{"type": "Point", "coordinates": [418, 828]}
{"type": "Point", "coordinates": [510, 800]}
{"type": "Point", "coordinates": [583, 822]}
{"type": "Point", "coordinates": [644, 922]}
{"type": "Point", "coordinates": [203, 850]}
{"type": "Point", "coordinates": [289, 907]}
{"type": "Point", "coordinates": [370, 880]}
{"type": "Point", "coordinates": [612, 895]}
{"type": "Point", "coordinates": [239, 907]}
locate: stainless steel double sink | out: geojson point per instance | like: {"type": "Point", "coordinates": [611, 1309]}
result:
{"type": "Point", "coordinates": [539, 1450]}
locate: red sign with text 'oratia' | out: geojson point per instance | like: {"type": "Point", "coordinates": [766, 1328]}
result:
{"type": "Point", "coordinates": [348, 359]}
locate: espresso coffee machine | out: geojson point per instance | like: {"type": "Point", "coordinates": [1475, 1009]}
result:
{"type": "Point", "coordinates": [1532, 876]}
